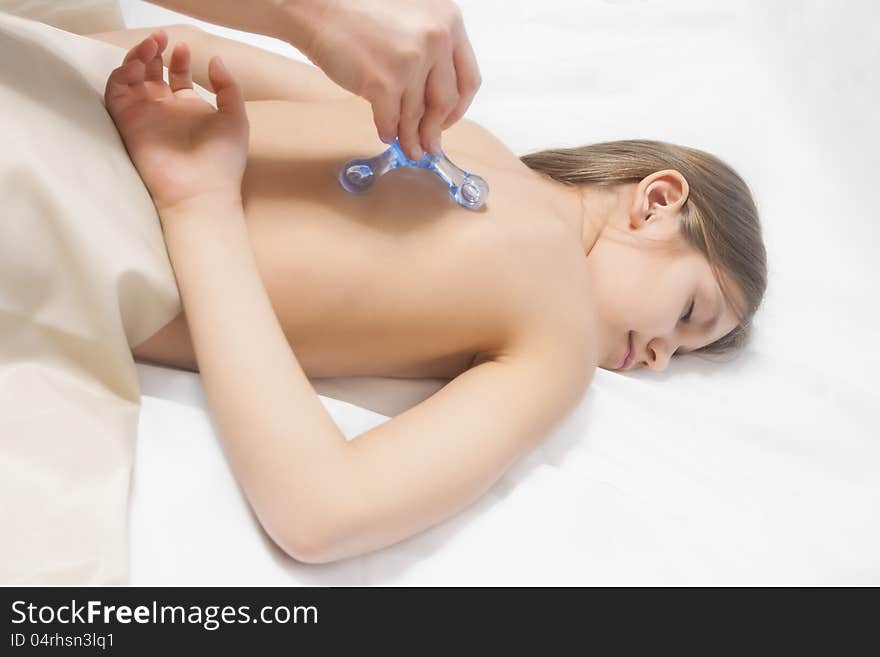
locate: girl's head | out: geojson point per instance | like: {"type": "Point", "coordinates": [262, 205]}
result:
{"type": "Point", "coordinates": [665, 227]}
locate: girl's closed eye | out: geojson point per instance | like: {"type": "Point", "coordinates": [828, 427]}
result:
{"type": "Point", "coordinates": [690, 311]}
{"type": "Point", "coordinates": [685, 319]}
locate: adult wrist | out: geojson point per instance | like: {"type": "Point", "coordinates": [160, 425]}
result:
{"type": "Point", "coordinates": [301, 21]}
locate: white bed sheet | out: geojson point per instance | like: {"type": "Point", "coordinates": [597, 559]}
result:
{"type": "Point", "coordinates": [758, 471]}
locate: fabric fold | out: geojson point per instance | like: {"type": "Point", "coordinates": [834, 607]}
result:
{"type": "Point", "coordinates": [84, 275]}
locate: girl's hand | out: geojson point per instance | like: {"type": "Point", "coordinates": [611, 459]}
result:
{"type": "Point", "coordinates": [183, 148]}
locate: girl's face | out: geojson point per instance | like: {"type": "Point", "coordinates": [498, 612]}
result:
{"type": "Point", "coordinates": [650, 285]}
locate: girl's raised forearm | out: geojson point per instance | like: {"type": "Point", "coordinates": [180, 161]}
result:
{"type": "Point", "coordinates": [281, 442]}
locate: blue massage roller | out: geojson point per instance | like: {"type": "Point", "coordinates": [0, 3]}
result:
{"type": "Point", "coordinates": [467, 189]}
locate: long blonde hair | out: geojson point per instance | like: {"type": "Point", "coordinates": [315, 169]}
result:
{"type": "Point", "coordinates": [719, 218]}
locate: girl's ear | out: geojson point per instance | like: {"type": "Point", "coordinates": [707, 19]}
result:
{"type": "Point", "coordinates": [665, 191]}
{"type": "Point", "coordinates": [657, 203]}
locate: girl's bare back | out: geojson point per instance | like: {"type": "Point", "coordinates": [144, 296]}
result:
{"type": "Point", "coordinates": [400, 282]}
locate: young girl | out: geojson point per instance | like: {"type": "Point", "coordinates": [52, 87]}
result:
{"type": "Point", "coordinates": [616, 255]}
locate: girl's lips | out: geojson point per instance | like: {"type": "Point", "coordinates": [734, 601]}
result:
{"type": "Point", "coordinates": [627, 359]}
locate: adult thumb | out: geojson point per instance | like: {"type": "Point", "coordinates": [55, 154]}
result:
{"type": "Point", "coordinates": [230, 100]}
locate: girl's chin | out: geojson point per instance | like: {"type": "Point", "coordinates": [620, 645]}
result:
{"type": "Point", "coordinates": [606, 366]}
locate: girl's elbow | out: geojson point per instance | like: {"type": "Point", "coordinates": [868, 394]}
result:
{"type": "Point", "coordinates": [313, 543]}
{"type": "Point", "coordinates": [324, 526]}
{"type": "Point", "coordinates": [304, 548]}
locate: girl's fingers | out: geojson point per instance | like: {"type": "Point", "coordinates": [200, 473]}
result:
{"type": "Point", "coordinates": [133, 74]}
{"type": "Point", "coordinates": [124, 76]}
{"type": "Point", "coordinates": [229, 97]}
{"type": "Point", "coordinates": [161, 37]}
{"type": "Point", "coordinates": [155, 63]}
{"type": "Point", "coordinates": [144, 51]}
{"type": "Point", "coordinates": [125, 86]}
{"type": "Point", "coordinates": [117, 85]}
{"type": "Point", "coordinates": [179, 73]}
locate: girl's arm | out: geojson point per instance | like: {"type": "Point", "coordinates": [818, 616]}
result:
{"type": "Point", "coordinates": [192, 157]}
{"type": "Point", "coordinates": [262, 75]}
{"type": "Point", "coordinates": [281, 443]}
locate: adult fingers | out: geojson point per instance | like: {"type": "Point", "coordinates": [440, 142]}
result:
{"type": "Point", "coordinates": [412, 108]}
{"type": "Point", "coordinates": [179, 73]}
{"type": "Point", "coordinates": [386, 112]}
{"type": "Point", "coordinates": [441, 98]}
{"type": "Point", "coordinates": [467, 73]}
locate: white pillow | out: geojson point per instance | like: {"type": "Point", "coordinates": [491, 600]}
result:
{"type": "Point", "coordinates": [78, 16]}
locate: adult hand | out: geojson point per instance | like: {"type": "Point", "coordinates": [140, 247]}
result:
{"type": "Point", "coordinates": [411, 60]}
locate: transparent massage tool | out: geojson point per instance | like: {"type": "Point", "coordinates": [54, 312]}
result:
{"type": "Point", "coordinates": [467, 189]}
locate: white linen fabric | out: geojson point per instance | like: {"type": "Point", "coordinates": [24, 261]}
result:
{"type": "Point", "coordinates": [78, 16]}
{"type": "Point", "coordinates": [83, 274]}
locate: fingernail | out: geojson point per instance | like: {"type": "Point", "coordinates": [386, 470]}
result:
{"type": "Point", "coordinates": [418, 153]}
{"type": "Point", "coordinates": [435, 146]}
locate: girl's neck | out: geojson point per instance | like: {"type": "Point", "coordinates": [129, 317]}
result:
{"type": "Point", "coordinates": [588, 209]}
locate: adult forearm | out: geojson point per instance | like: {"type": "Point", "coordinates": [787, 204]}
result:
{"type": "Point", "coordinates": [290, 20]}
{"type": "Point", "coordinates": [282, 444]}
